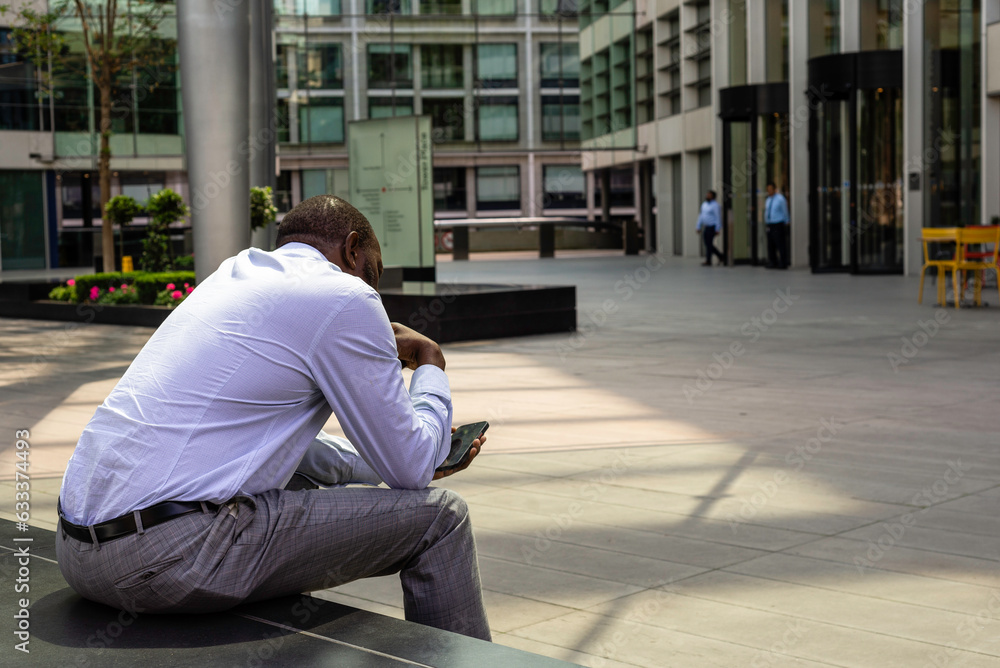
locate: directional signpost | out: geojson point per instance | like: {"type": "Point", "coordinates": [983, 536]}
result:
{"type": "Point", "coordinates": [391, 182]}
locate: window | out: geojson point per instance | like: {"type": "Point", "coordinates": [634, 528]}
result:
{"type": "Point", "coordinates": [283, 59]}
{"type": "Point", "coordinates": [881, 24]}
{"type": "Point", "coordinates": [498, 188]}
{"type": "Point", "coordinates": [325, 182]}
{"type": "Point", "coordinates": [157, 96]}
{"type": "Point", "coordinates": [669, 73]}
{"type": "Point", "coordinates": [440, 7]}
{"type": "Point", "coordinates": [389, 7]}
{"type": "Point", "coordinates": [824, 27]}
{"type": "Point", "coordinates": [498, 119]}
{"type": "Point", "coordinates": [386, 107]}
{"type": "Point", "coordinates": [320, 67]}
{"type": "Point", "coordinates": [142, 185]}
{"type": "Point", "coordinates": [389, 66]}
{"type": "Point", "coordinates": [700, 55]}
{"type": "Point", "coordinates": [644, 94]}
{"type": "Point", "coordinates": [18, 106]}
{"type": "Point", "coordinates": [494, 7]}
{"type": "Point", "coordinates": [449, 189]}
{"type": "Point", "coordinates": [560, 118]}
{"type": "Point", "coordinates": [559, 7]}
{"type": "Point", "coordinates": [497, 65]}
{"type": "Point", "coordinates": [560, 65]}
{"type": "Point", "coordinates": [310, 7]}
{"type": "Point", "coordinates": [776, 46]}
{"type": "Point", "coordinates": [321, 119]}
{"type": "Point", "coordinates": [564, 187]}
{"type": "Point", "coordinates": [281, 119]}
{"type": "Point", "coordinates": [441, 66]}
{"type": "Point", "coordinates": [447, 118]}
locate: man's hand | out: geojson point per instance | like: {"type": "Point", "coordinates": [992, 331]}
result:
{"type": "Point", "coordinates": [416, 349]}
{"type": "Point", "coordinates": [464, 464]}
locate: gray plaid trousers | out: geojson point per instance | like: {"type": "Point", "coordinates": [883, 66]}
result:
{"type": "Point", "coordinates": [286, 542]}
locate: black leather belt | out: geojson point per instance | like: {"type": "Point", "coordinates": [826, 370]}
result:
{"type": "Point", "coordinates": [125, 525]}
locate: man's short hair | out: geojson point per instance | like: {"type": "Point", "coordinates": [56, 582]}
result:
{"type": "Point", "coordinates": [712, 193]}
{"type": "Point", "coordinates": [325, 220]}
{"type": "Point", "coordinates": [770, 184]}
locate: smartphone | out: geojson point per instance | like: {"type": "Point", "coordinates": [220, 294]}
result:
{"type": "Point", "coordinates": [461, 443]}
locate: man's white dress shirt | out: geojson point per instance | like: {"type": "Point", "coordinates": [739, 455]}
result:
{"type": "Point", "coordinates": [228, 395]}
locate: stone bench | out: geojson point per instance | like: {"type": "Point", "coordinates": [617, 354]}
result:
{"type": "Point", "coordinates": [67, 630]}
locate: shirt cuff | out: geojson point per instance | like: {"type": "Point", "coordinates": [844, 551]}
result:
{"type": "Point", "coordinates": [430, 379]}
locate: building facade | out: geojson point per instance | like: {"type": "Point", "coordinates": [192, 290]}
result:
{"type": "Point", "coordinates": [499, 79]}
{"type": "Point", "coordinates": [876, 118]}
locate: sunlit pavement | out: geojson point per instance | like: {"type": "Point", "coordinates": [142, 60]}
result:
{"type": "Point", "coordinates": [722, 467]}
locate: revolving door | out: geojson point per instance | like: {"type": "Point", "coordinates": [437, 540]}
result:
{"type": "Point", "coordinates": [856, 163]}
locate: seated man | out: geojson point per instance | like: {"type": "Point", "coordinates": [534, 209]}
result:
{"type": "Point", "coordinates": [174, 498]}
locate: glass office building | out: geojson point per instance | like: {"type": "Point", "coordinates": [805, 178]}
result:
{"type": "Point", "coordinates": [500, 80]}
{"type": "Point", "coordinates": [874, 118]}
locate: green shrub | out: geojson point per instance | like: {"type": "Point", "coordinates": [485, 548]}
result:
{"type": "Point", "coordinates": [184, 263]}
{"type": "Point", "coordinates": [262, 209]}
{"type": "Point", "coordinates": [165, 207]}
{"type": "Point", "coordinates": [152, 284]}
{"type": "Point", "coordinates": [63, 293]}
{"type": "Point", "coordinates": [86, 282]}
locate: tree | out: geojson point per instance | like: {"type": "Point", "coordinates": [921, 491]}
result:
{"type": "Point", "coordinates": [120, 211]}
{"type": "Point", "coordinates": [116, 39]}
{"type": "Point", "coordinates": [262, 209]}
{"type": "Point", "coordinates": [165, 207]}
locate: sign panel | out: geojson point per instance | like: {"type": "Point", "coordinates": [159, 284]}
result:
{"type": "Point", "coordinates": [391, 183]}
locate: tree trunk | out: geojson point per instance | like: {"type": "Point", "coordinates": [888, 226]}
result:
{"type": "Point", "coordinates": [104, 172]}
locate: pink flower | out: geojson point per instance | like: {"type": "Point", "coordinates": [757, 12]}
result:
{"type": "Point", "coordinates": [176, 294]}
{"type": "Point", "coordinates": [186, 285]}
{"type": "Point", "coordinates": [71, 282]}
{"type": "Point", "coordinates": [124, 286]}
{"type": "Point", "coordinates": [171, 286]}
{"type": "Point", "coordinates": [189, 289]}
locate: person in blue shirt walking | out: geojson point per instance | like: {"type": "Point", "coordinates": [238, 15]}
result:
{"type": "Point", "coordinates": [776, 222]}
{"type": "Point", "coordinates": [710, 224]}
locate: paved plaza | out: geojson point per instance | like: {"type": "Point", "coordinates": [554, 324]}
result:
{"type": "Point", "coordinates": [723, 467]}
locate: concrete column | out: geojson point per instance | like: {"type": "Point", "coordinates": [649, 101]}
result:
{"type": "Point", "coordinates": [605, 176]}
{"type": "Point", "coordinates": [850, 25]}
{"type": "Point", "coordinates": [693, 197]}
{"type": "Point", "coordinates": [664, 220]}
{"type": "Point", "coordinates": [213, 47]}
{"type": "Point", "coordinates": [798, 119]}
{"type": "Point", "coordinates": [914, 167]}
{"type": "Point", "coordinates": [263, 134]}
{"type": "Point", "coordinates": [720, 79]}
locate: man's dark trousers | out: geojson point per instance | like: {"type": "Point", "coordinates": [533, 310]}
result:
{"type": "Point", "coordinates": [777, 245]}
{"type": "Point", "coordinates": [708, 236]}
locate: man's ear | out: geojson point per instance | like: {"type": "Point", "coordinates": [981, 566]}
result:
{"type": "Point", "coordinates": [350, 249]}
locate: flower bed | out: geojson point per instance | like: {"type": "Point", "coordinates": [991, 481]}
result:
{"type": "Point", "coordinates": [167, 288]}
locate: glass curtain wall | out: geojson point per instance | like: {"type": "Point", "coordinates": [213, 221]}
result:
{"type": "Point", "coordinates": [831, 199]}
{"type": "Point", "coordinates": [22, 220]}
{"type": "Point", "coordinates": [776, 39]}
{"type": "Point", "coordinates": [738, 42]}
{"type": "Point", "coordinates": [824, 27]}
{"type": "Point", "coordinates": [881, 24]}
{"type": "Point", "coordinates": [952, 135]}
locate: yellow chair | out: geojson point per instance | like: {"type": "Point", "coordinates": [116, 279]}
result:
{"type": "Point", "coordinates": [977, 235]}
{"type": "Point", "coordinates": [938, 235]}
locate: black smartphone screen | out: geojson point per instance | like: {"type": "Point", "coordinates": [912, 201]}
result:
{"type": "Point", "coordinates": [461, 442]}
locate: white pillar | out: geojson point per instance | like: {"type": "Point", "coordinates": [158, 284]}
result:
{"type": "Point", "coordinates": [798, 118]}
{"type": "Point", "coordinates": [263, 133]}
{"type": "Point", "coordinates": [850, 25]}
{"type": "Point", "coordinates": [914, 166]}
{"type": "Point", "coordinates": [213, 47]}
{"type": "Point", "coordinates": [757, 38]}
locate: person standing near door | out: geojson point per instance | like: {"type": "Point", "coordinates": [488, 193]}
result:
{"type": "Point", "coordinates": [709, 224]}
{"type": "Point", "coordinates": [776, 222]}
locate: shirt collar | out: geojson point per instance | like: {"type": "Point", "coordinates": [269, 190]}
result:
{"type": "Point", "coordinates": [299, 249]}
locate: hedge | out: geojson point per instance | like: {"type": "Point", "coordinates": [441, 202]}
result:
{"type": "Point", "coordinates": [146, 283]}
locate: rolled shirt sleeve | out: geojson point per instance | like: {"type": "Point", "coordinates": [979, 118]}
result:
{"type": "Point", "coordinates": [402, 435]}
